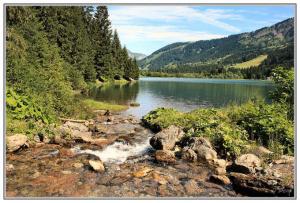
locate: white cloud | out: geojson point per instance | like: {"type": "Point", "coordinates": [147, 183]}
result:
{"type": "Point", "coordinates": [214, 17]}
{"type": "Point", "coordinates": [161, 33]}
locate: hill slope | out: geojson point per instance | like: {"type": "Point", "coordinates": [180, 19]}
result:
{"type": "Point", "coordinates": [224, 52]}
{"type": "Point", "coordinates": [138, 56]}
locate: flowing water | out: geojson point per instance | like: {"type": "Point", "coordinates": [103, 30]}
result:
{"type": "Point", "coordinates": [184, 94]}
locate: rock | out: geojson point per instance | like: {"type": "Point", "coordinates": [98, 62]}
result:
{"type": "Point", "coordinates": [205, 154]}
{"type": "Point", "coordinates": [256, 186]}
{"type": "Point", "coordinates": [82, 136]}
{"type": "Point", "coordinates": [218, 163]}
{"type": "Point", "coordinates": [284, 159]}
{"type": "Point", "coordinates": [220, 179]}
{"type": "Point", "coordinates": [78, 165]}
{"type": "Point", "coordinates": [36, 138]}
{"type": "Point", "coordinates": [219, 171]}
{"type": "Point", "coordinates": [97, 165]}
{"type": "Point", "coordinates": [262, 152]}
{"type": "Point", "coordinates": [142, 172]}
{"type": "Point", "coordinates": [246, 163]}
{"type": "Point", "coordinates": [165, 156]}
{"type": "Point", "coordinates": [39, 144]}
{"type": "Point", "coordinates": [158, 178]}
{"type": "Point", "coordinates": [58, 140]}
{"type": "Point", "coordinates": [119, 128]}
{"type": "Point", "coordinates": [46, 140]}
{"type": "Point", "coordinates": [166, 139]}
{"type": "Point", "coordinates": [110, 119]}
{"type": "Point", "coordinates": [76, 126]}
{"type": "Point", "coordinates": [66, 172]}
{"type": "Point", "coordinates": [103, 142]}
{"type": "Point", "coordinates": [192, 188]}
{"type": "Point", "coordinates": [9, 167]}
{"type": "Point", "coordinates": [195, 142]}
{"type": "Point", "coordinates": [64, 131]}
{"type": "Point", "coordinates": [15, 142]}
{"type": "Point", "coordinates": [188, 154]}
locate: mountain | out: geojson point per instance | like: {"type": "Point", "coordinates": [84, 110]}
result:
{"type": "Point", "coordinates": [236, 51]}
{"type": "Point", "coordinates": [138, 56]}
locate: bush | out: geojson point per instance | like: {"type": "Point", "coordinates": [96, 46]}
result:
{"type": "Point", "coordinates": [226, 137]}
{"type": "Point", "coordinates": [267, 124]}
{"type": "Point", "coordinates": [232, 129]}
{"type": "Point", "coordinates": [22, 107]}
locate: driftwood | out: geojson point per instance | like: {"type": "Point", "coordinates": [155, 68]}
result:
{"type": "Point", "coordinates": [73, 120]}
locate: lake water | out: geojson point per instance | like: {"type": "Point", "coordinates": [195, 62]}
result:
{"type": "Point", "coordinates": [184, 94]}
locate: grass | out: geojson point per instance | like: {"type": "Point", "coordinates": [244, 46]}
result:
{"type": "Point", "coordinates": [97, 105]}
{"type": "Point", "coordinates": [251, 63]}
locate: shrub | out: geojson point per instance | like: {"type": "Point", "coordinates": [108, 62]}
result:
{"type": "Point", "coordinates": [267, 124]}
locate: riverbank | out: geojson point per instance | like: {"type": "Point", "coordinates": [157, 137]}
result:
{"type": "Point", "coordinates": [114, 155]}
{"type": "Point", "coordinates": [199, 76]}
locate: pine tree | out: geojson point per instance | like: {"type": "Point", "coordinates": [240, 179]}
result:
{"type": "Point", "coordinates": [117, 54]}
{"type": "Point", "coordinates": [102, 41]}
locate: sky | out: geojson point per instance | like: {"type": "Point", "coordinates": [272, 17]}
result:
{"type": "Point", "coordinates": [145, 29]}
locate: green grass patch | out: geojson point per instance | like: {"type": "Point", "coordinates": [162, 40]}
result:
{"type": "Point", "coordinates": [97, 105]}
{"type": "Point", "coordinates": [251, 63]}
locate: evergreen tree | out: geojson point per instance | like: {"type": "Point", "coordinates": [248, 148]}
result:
{"type": "Point", "coordinates": [102, 35]}
{"type": "Point", "coordinates": [117, 54]}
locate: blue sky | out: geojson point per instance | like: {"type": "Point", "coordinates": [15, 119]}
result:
{"type": "Point", "coordinates": [145, 29]}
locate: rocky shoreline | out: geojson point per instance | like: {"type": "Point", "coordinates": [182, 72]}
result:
{"type": "Point", "coordinates": [116, 156]}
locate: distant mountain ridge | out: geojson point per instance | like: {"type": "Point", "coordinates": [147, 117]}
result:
{"type": "Point", "coordinates": [226, 51]}
{"type": "Point", "coordinates": [138, 56]}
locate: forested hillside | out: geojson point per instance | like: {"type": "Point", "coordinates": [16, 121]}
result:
{"type": "Point", "coordinates": [246, 55]}
{"type": "Point", "coordinates": [53, 52]}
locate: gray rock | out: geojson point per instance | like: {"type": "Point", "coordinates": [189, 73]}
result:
{"type": "Point", "coordinates": [205, 154]}
{"type": "Point", "coordinates": [15, 142]}
{"type": "Point", "coordinates": [76, 126]}
{"type": "Point", "coordinates": [188, 154]}
{"type": "Point", "coordinates": [166, 139]}
{"type": "Point", "coordinates": [195, 142]}
{"type": "Point", "coordinates": [246, 163]}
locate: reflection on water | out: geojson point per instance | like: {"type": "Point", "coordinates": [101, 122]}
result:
{"type": "Point", "coordinates": [184, 94]}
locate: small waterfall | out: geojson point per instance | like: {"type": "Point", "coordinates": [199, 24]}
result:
{"type": "Point", "coordinates": [118, 152]}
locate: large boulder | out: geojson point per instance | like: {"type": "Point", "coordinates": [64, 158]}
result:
{"type": "Point", "coordinates": [165, 156]}
{"type": "Point", "coordinates": [167, 138]}
{"type": "Point", "coordinates": [188, 154]}
{"type": "Point", "coordinates": [253, 185]}
{"type": "Point", "coordinates": [195, 142]}
{"type": "Point", "coordinates": [246, 163]}
{"type": "Point", "coordinates": [218, 165]}
{"type": "Point", "coordinates": [205, 154]}
{"type": "Point", "coordinates": [76, 126]}
{"type": "Point", "coordinates": [220, 179]}
{"type": "Point", "coordinates": [15, 142]}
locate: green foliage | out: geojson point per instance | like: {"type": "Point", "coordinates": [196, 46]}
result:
{"type": "Point", "coordinates": [226, 137]}
{"type": "Point", "coordinates": [55, 51]}
{"type": "Point", "coordinates": [284, 89]}
{"type": "Point", "coordinates": [267, 124]}
{"type": "Point", "coordinates": [231, 129]}
{"type": "Point", "coordinates": [22, 107]}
